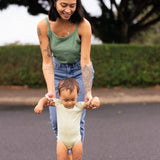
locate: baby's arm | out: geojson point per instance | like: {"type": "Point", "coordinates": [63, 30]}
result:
{"type": "Point", "coordinates": [39, 107]}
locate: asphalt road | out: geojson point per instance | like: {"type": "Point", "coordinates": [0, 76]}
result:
{"type": "Point", "coordinates": [113, 132]}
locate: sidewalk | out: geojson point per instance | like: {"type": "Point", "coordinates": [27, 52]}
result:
{"type": "Point", "coordinates": [15, 95]}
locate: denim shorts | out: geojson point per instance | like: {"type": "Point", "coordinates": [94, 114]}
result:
{"type": "Point", "coordinates": [62, 71]}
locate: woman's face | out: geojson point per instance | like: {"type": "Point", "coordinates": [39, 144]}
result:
{"type": "Point", "coordinates": [66, 8]}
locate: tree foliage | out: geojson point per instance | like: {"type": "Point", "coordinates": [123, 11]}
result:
{"type": "Point", "coordinates": [34, 6]}
{"type": "Point", "coordinates": [117, 23]}
{"type": "Point", "coordinates": [121, 21]}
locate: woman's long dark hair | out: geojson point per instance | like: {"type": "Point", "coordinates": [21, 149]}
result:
{"type": "Point", "coordinates": [77, 16]}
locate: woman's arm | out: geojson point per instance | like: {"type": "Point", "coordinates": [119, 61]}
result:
{"type": "Point", "coordinates": [85, 34]}
{"type": "Point", "coordinates": [47, 63]}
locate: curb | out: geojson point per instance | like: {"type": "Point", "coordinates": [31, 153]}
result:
{"type": "Point", "coordinates": [29, 96]}
{"type": "Point", "coordinates": [110, 100]}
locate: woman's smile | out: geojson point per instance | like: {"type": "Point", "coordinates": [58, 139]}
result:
{"type": "Point", "coordinates": [66, 15]}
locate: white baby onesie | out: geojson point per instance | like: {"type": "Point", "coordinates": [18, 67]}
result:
{"type": "Point", "coordinates": [68, 121]}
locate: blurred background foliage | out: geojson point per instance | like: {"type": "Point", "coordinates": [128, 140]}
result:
{"type": "Point", "coordinates": [150, 35]}
{"type": "Point", "coordinates": [114, 64]}
{"type": "Point", "coordinates": [119, 22]}
{"type": "Point", "coordinates": [129, 55]}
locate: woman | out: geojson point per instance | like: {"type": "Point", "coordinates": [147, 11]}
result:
{"type": "Point", "coordinates": [65, 42]}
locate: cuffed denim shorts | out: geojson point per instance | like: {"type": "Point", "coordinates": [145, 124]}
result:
{"type": "Point", "coordinates": [62, 71]}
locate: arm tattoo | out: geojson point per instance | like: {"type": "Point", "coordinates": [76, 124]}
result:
{"type": "Point", "coordinates": [39, 31]}
{"type": "Point", "coordinates": [87, 77]}
{"type": "Point", "coordinates": [48, 51]}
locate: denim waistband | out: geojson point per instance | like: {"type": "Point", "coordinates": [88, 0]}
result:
{"type": "Point", "coordinates": [59, 65]}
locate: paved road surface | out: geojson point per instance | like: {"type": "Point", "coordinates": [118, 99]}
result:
{"type": "Point", "coordinates": [113, 132]}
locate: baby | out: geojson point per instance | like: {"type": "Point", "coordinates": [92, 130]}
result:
{"type": "Point", "coordinates": [69, 113]}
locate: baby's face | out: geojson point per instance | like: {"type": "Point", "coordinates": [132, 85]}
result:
{"type": "Point", "coordinates": [68, 98]}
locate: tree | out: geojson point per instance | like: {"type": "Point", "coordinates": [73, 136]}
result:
{"type": "Point", "coordinates": [117, 23]}
{"type": "Point", "coordinates": [34, 6]}
{"type": "Point", "coordinates": [121, 21]}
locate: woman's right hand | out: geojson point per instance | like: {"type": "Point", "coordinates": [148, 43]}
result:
{"type": "Point", "coordinates": [47, 62]}
{"type": "Point", "coordinates": [49, 96]}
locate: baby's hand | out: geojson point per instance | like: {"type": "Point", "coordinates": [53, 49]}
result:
{"type": "Point", "coordinates": [38, 109]}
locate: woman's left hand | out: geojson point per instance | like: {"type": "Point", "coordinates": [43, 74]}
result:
{"type": "Point", "coordinates": [94, 103]}
{"type": "Point", "coordinates": [88, 99]}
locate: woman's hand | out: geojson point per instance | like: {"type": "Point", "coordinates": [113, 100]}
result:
{"type": "Point", "coordinates": [88, 99]}
{"type": "Point", "coordinates": [94, 103]}
{"type": "Point", "coordinates": [50, 101]}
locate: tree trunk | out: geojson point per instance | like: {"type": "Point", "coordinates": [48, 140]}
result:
{"type": "Point", "coordinates": [124, 32]}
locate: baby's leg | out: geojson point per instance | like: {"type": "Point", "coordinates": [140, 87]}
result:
{"type": "Point", "coordinates": [62, 151]}
{"type": "Point", "coordinates": [77, 151]}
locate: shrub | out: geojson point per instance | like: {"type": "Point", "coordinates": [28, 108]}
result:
{"type": "Point", "coordinates": [114, 64]}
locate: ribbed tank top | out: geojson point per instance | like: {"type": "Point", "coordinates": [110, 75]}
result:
{"type": "Point", "coordinates": [65, 49]}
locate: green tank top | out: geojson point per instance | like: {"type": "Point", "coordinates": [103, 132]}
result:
{"type": "Point", "coordinates": [65, 49]}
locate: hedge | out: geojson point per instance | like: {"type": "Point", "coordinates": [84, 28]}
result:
{"type": "Point", "coordinates": [114, 65]}
{"type": "Point", "coordinates": [21, 65]}
{"type": "Point", "coordinates": [126, 65]}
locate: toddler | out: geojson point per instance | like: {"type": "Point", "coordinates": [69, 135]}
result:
{"type": "Point", "coordinates": [69, 113]}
